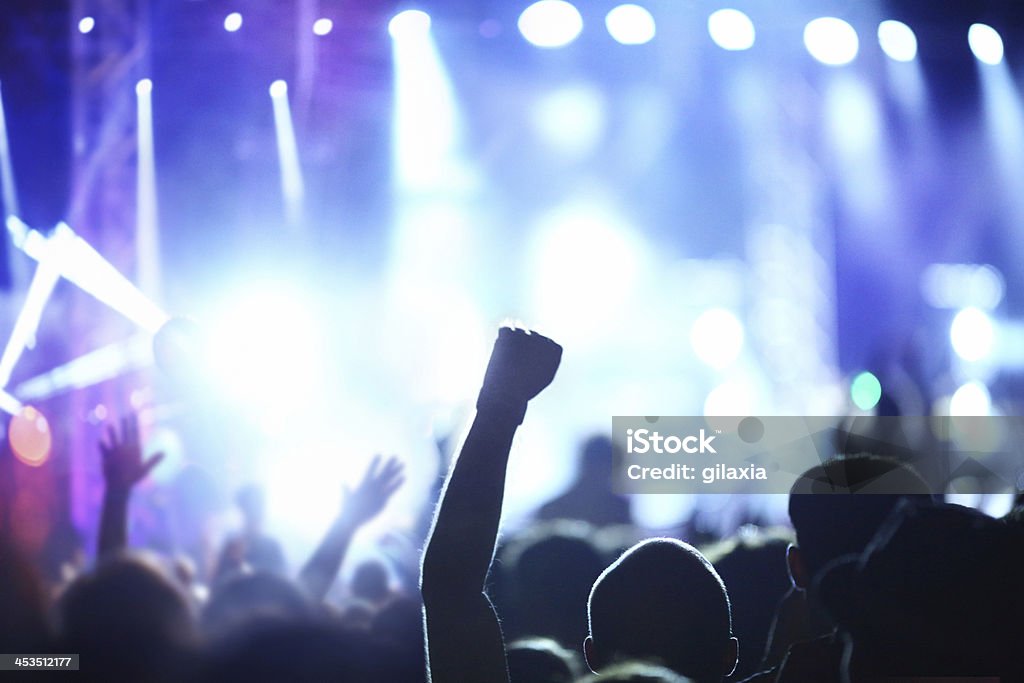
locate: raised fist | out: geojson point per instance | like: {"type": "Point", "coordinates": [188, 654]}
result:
{"type": "Point", "coordinates": [522, 364]}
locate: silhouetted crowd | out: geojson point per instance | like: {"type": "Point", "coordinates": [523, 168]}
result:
{"type": "Point", "coordinates": [859, 588]}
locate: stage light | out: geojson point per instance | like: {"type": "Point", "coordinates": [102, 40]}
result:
{"type": "Point", "coordinates": [278, 88]}
{"type": "Point", "coordinates": [9, 404]}
{"type": "Point", "coordinates": [970, 400]}
{"type": "Point", "coordinates": [571, 120]}
{"type": "Point", "coordinates": [7, 187]}
{"type": "Point", "coordinates": [292, 184]}
{"type": "Point", "coordinates": [23, 335]}
{"type": "Point", "coordinates": [865, 391]}
{"type": "Point", "coordinates": [731, 398]}
{"type": "Point", "coordinates": [322, 26]}
{"type": "Point", "coordinates": [86, 24]}
{"type": "Point", "coordinates": [550, 23]}
{"type": "Point", "coordinates": [91, 368]}
{"type": "Point", "coordinates": [265, 348]}
{"type": "Point", "coordinates": [831, 41]}
{"type": "Point", "coordinates": [717, 337]}
{"type": "Point", "coordinates": [86, 268]}
{"type": "Point", "coordinates": [425, 117]}
{"type": "Point", "coordinates": [147, 232]}
{"type": "Point", "coordinates": [576, 248]}
{"type": "Point", "coordinates": [986, 44]}
{"type": "Point", "coordinates": [233, 22]}
{"type": "Point", "coordinates": [630, 24]}
{"type": "Point", "coordinates": [412, 23]}
{"type": "Point", "coordinates": [897, 40]}
{"type": "Point", "coordinates": [972, 334]}
{"type": "Point", "coordinates": [731, 29]}
{"type": "Point", "coordinates": [29, 436]}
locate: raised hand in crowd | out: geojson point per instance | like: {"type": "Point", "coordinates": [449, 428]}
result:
{"type": "Point", "coordinates": [464, 640]}
{"type": "Point", "coordinates": [123, 468]}
{"type": "Point", "coordinates": [361, 504]}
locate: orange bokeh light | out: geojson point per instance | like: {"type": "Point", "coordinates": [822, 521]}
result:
{"type": "Point", "coordinates": [29, 436]}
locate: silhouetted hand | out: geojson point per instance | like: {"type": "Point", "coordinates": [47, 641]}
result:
{"type": "Point", "coordinates": [123, 464]}
{"type": "Point", "coordinates": [522, 364]}
{"type": "Point", "coordinates": [379, 483]}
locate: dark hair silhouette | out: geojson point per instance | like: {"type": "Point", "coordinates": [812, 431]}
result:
{"type": "Point", "coordinates": [662, 601]}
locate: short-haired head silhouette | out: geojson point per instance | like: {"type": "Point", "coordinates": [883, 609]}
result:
{"type": "Point", "coordinates": [663, 602]}
{"type": "Point", "coordinates": [837, 507]}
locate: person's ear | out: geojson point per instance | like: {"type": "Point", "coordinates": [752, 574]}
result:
{"type": "Point", "coordinates": [731, 657]}
{"type": "Point", "coordinates": [797, 568]}
{"type": "Point", "coordinates": [588, 653]}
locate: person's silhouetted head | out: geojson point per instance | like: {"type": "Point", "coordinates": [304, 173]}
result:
{"type": "Point", "coordinates": [252, 503]}
{"type": "Point", "coordinates": [540, 660]}
{"type": "Point", "coordinates": [635, 672]}
{"type": "Point", "coordinates": [937, 592]}
{"type": "Point", "coordinates": [663, 602]}
{"type": "Point", "coordinates": [370, 582]}
{"type": "Point", "coordinates": [837, 507]}
{"type": "Point", "coordinates": [127, 619]}
{"type": "Point", "coordinates": [549, 570]}
{"type": "Point", "coordinates": [260, 596]}
{"type": "Point", "coordinates": [753, 565]}
{"type": "Point", "coordinates": [23, 625]}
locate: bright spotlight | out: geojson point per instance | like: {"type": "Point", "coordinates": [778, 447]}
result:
{"type": "Point", "coordinates": [550, 23]}
{"type": "Point", "coordinates": [412, 23]}
{"type": "Point", "coordinates": [322, 26]}
{"type": "Point", "coordinates": [572, 119]}
{"type": "Point", "coordinates": [630, 25]}
{"type": "Point", "coordinates": [831, 41]}
{"type": "Point", "coordinates": [144, 87]}
{"type": "Point", "coordinates": [865, 391]}
{"type": "Point", "coordinates": [731, 29]}
{"type": "Point", "coordinates": [970, 400]}
{"type": "Point", "coordinates": [730, 398]}
{"type": "Point", "coordinates": [986, 44]}
{"type": "Point", "coordinates": [897, 40]}
{"type": "Point", "coordinates": [233, 22]}
{"type": "Point", "coordinates": [717, 337]}
{"type": "Point", "coordinates": [278, 88]}
{"type": "Point", "coordinates": [266, 348]}
{"type": "Point", "coordinates": [86, 24]}
{"type": "Point", "coordinates": [972, 334]}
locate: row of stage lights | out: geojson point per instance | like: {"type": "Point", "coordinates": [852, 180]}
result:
{"type": "Point", "coordinates": [557, 23]}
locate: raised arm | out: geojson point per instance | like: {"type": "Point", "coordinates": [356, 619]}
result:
{"type": "Point", "coordinates": [123, 468]}
{"type": "Point", "coordinates": [464, 641]}
{"type": "Point", "coordinates": [361, 505]}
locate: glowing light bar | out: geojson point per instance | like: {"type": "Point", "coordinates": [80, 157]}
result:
{"type": "Point", "coordinates": [292, 186]}
{"type": "Point", "coordinates": [147, 229]}
{"type": "Point", "coordinates": [86, 268]}
{"type": "Point", "coordinates": [9, 404]}
{"type": "Point", "coordinates": [23, 335]}
{"type": "Point", "coordinates": [91, 368]}
{"type": "Point", "coordinates": [7, 188]}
